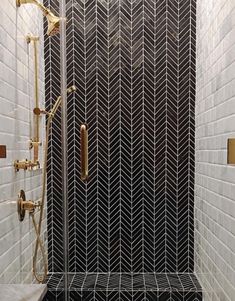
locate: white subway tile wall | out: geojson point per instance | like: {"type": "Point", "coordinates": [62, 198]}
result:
{"type": "Point", "coordinates": [215, 123]}
{"type": "Point", "coordinates": [16, 128]}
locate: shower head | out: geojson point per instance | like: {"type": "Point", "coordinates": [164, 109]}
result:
{"type": "Point", "coordinates": [52, 20]}
{"type": "Point", "coordinates": [53, 26]}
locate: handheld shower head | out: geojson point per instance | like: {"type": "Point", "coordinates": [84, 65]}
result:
{"type": "Point", "coordinates": [59, 101]}
{"type": "Point", "coordinates": [52, 20]}
{"type": "Point", "coordinates": [71, 89]}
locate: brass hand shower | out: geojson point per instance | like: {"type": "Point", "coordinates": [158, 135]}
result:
{"type": "Point", "coordinates": [39, 243]}
{"type": "Point", "coordinates": [30, 206]}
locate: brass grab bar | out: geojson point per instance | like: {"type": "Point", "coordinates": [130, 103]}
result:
{"type": "Point", "coordinates": [84, 152]}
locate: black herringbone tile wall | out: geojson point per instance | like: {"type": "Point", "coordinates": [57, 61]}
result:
{"type": "Point", "coordinates": [133, 62]}
{"type": "Point", "coordinates": [54, 174]}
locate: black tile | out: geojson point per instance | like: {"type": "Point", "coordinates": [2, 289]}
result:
{"type": "Point", "coordinates": [133, 64]}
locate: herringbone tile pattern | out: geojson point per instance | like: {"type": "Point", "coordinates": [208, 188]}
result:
{"type": "Point", "coordinates": [54, 174]}
{"type": "Point", "coordinates": [129, 286]}
{"type": "Point", "coordinates": [133, 62]}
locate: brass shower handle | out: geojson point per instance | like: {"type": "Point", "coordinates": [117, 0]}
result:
{"type": "Point", "coordinates": [84, 152]}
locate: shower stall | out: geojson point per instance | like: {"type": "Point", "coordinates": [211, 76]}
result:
{"type": "Point", "coordinates": [128, 232]}
{"type": "Point", "coordinates": [117, 150]}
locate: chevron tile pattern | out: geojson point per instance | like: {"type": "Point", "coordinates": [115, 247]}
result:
{"type": "Point", "coordinates": [129, 286]}
{"type": "Point", "coordinates": [133, 62]}
{"type": "Point", "coordinates": [54, 175]}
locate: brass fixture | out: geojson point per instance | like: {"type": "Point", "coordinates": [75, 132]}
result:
{"type": "Point", "coordinates": [35, 142]}
{"type": "Point", "coordinates": [30, 206]}
{"type": "Point", "coordinates": [38, 111]}
{"type": "Point", "coordinates": [84, 152]}
{"type": "Point", "coordinates": [53, 21]}
{"type": "Point", "coordinates": [3, 151]}
{"type": "Point", "coordinates": [26, 165]}
{"type": "Point", "coordinates": [39, 244]}
{"type": "Point", "coordinates": [52, 112]}
{"type": "Point", "coordinates": [23, 205]}
{"type": "Point", "coordinates": [31, 165]}
{"type": "Point", "coordinates": [231, 151]}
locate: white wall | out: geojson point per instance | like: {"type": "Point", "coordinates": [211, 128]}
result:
{"type": "Point", "coordinates": [215, 123]}
{"type": "Point", "coordinates": [16, 128]}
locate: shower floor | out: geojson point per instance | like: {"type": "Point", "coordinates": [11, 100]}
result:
{"type": "Point", "coordinates": [125, 287]}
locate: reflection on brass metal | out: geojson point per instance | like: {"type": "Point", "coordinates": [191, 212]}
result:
{"type": "Point", "coordinates": [3, 151]}
{"type": "Point", "coordinates": [231, 151]}
{"type": "Point", "coordinates": [26, 165]}
{"type": "Point", "coordinates": [53, 21]}
{"type": "Point", "coordinates": [84, 152]}
{"type": "Point", "coordinates": [23, 205]}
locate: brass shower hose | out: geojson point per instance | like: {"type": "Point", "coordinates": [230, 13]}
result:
{"type": "Point", "coordinates": [39, 243]}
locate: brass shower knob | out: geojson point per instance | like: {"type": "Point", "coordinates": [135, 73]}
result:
{"type": "Point", "coordinates": [23, 205]}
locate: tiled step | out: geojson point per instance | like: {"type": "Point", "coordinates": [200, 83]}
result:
{"type": "Point", "coordinates": [125, 287]}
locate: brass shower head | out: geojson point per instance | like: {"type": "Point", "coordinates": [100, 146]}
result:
{"type": "Point", "coordinates": [52, 20]}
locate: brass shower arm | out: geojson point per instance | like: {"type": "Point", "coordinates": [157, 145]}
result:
{"type": "Point", "coordinates": [45, 10]}
{"type": "Point", "coordinates": [53, 21]}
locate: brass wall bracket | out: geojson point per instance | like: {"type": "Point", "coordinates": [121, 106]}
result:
{"type": "Point", "coordinates": [30, 38]}
{"type": "Point", "coordinates": [26, 165]}
{"type": "Point", "coordinates": [33, 144]}
{"type": "Point", "coordinates": [23, 205]}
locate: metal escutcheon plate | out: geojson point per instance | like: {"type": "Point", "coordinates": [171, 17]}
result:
{"type": "Point", "coordinates": [20, 207]}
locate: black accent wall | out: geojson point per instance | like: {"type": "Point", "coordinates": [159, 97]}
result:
{"type": "Point", "coordinates": [133, 62]}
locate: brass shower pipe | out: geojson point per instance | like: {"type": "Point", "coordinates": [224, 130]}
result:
{"type": "Point", "coordinates": [35, 141]}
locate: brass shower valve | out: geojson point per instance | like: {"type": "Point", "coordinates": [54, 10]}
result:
{"type": "Point", "coordinates": [23, 205]}
{"type": "Point", "coordinates": [25, 165]}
